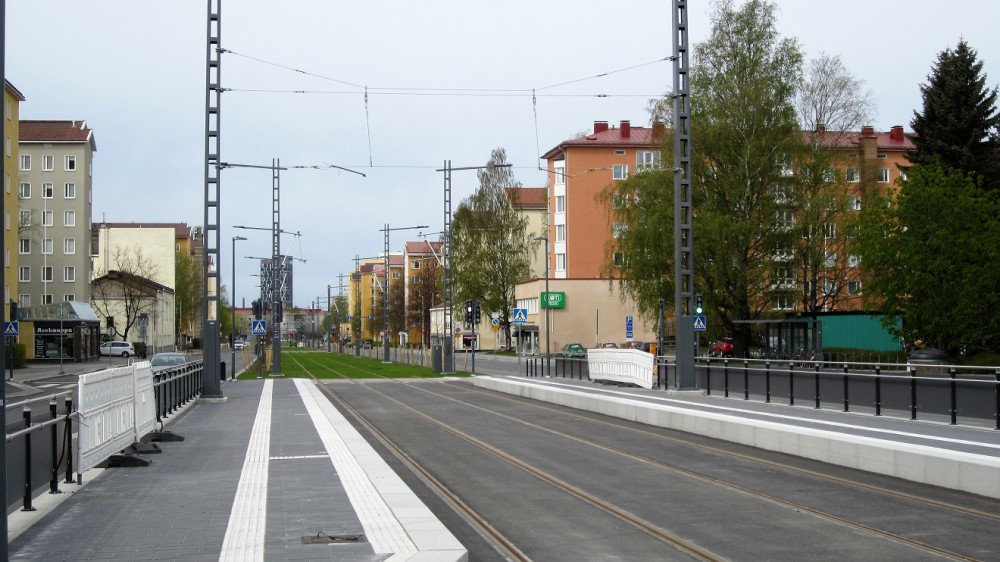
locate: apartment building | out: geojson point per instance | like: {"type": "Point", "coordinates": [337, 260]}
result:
{"type": "Point", "coordinates": [11, 150]}
{"type": "Point", "coordinates": [55, 183]}
{"type": "Point", "coordinates": [422, 261]}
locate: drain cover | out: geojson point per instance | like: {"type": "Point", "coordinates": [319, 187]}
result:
{"type": "Point", "coordinates": [323, 538]}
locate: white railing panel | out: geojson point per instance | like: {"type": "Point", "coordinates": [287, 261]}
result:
{"type": "Point", "coordinates": [630, 366]}
{"type": "Point", "coordinates": [106, 415]}
{"type": "Point", "coordinates": [145, 400]}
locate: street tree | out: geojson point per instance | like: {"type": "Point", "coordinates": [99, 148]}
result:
{"type": "Point", "coordinates": [745, 128]}
{"type": "Point", "coordinates": [126, 291]}
{"type": "Point", "coordinates": [188, 287]}
{"type": "Point", "coordinates": [941, 282]}
{"type": "Point", "coordinates": [959, 126]}
{"type": "Point", "coordinates": [816, 193]}
{"type": "Point", "coordinates": [491, 244]}
{"type": "Point", "coordinates": [425, 293]}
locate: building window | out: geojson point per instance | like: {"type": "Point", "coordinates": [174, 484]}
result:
{"type": "Point", "coordinates": [24, 246]}
{"type": "Point", "coordinates": [69, 218]}
{"type": "Point", "coordinates": [46, 245]}
{"type": "Point", "coordinates": [619, 259]}
{"type": "Point", "coordinates": [619, 153]}
{"type": "Point", "coordinates": [69, 191]}
{"type": "Point", "coordinates": [415, 264]}
{"type": "Point", "coordinates": [69, 246]}
{"type": "Point", "coordinates": [414, 279]}
{"type": "Point", "coordinates": [782, 254]}
{"type": "Point", "coordinates": [784, 219]}
{"type": "Point", "coordinates": [70, 163]}
{"type": "Point", "coordinates": [853, 175]}
{"type": "Point", "coordinates": [883, 175]}
{"type": "Point", "coordinates": [853, 287]}
{"type": "Point", "coordinates": [853, 260]}
{"type": "Point", "coordinates": [48, 191]}
{"type": "Point", "coordinates": [23, 300]}
{"type": "Point", "coordinates": [25, 162]}
{"type": "Point", "coordinates": [647, 160]}
{"type": "Point", "coordinates": [902, 175]}
{"type": "Point", "coordinates": [69, 274]}
{"type": "Point", "coordinates": [560, 203]}
{"type": "Point", "coordinates": [783, 301]}
{"type": "Point", "coordinates": [69, 297]}
{"type": "Point", "coordinates": [560, 174]}
{"type": "Point", "coordinates": [618, 230]}
{"type": "Point", "coordinates": [619, 172]}
{"type": "Point", "coordinates": [830, 260]}
{"type": "Point", "coordinates": [560, 233]}
{"type": "Point", "coordinates": [47, 299]}
{"type": "Point", "coordinates": [560, 262]}
{"type": "Point", "coordinates": [395, 275]}
{"type": "Point", "coordinates": [24, 191]}
{"type": "Point", "coordinates": [854, 203]}
{"type": "Point", "coordinates": [829, 230]}
{"type": "Point", "coordinates": [783, 277]}
{"type": "Point", "coordinates": [24, 274]}
{"type": "Point", "coordinates": [47, 274]}
{"type": "Point", "coordinates": [25, 219]}
{"type": "Point", "coordinates": [47, 218]}
{"type": "Point", "coordinates": [48, 163]}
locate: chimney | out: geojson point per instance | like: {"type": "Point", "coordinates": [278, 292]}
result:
{"type": "Point", "coordinates": [600, 126]}
{"type": "Point", "coordinates": [658, 129]}
{"type": "Point", "coordinates": [896, 133]}
{"type": "Point", "coordinates": [869, 143]}
{"type": "Point", "coordinates": [868, 131]}
{"type": "Point", "coordinates": [626, 130]}
{"type": "Point", "coordinates": [820, 128]}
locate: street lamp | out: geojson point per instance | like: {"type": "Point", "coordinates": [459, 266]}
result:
{"type": "Point", "coordinates": [232, 312]}
{"type": "Point", "coordinates": [548, 358]}
{"type": "Point", "coordinates": [385, 303]}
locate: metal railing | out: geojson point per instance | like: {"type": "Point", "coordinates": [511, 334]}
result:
{"type": "Point", "coordinates": [43, 461]}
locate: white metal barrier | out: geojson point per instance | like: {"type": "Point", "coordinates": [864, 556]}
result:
{"type": "Point", "coordinates": [117, 408]}
{"type": "Point", "coordinates": [621, 365]}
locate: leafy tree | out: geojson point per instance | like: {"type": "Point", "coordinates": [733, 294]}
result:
{"type": "Point", "coordinates": [491, 245]}
{"type": "Point", "coordinates": [126, 288]}
{"type": "Point", "coordinates": [941, 281]}
{"type": "Point", "coordinates": [831, 103]}
{"type": "Point", "coordinates": [745, 128]}
{"type": "Point", "coordinates": [188, 287]}
{"type": "Point", "coordinates": [424, 294]}
{"type": "Point", "coordinates": [959, 126]}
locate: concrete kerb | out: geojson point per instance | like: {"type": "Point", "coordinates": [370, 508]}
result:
{"type": "Point", "coordinates": [977, 474]}
{"type": "Point", "coordinates": [20, 521]}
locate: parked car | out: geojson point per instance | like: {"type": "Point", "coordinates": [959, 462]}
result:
{"type": "Point", "coordinates": [572, 350]}
{"type": "Point", "coordinates": [239, 344]}
{"type": "Point", "coordinates": [609, 345]}
{"type": "Point", "coordinates": [162, 361]}
{"type": "Point", "coordinates": [929, 354]}
{"type": "Point", "coordinates": [117, 348]}
{"type": "Point", "coordinates": [632, 345]}
{"type": "Point", "coordinates": [722, 348]}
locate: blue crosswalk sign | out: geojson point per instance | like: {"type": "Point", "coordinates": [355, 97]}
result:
{"type": "Point", "coordinates": [520, 315]}
{"type": "Point", "coordinates": [258, 327]}
{"type": "Point", "coordinates": [700, 323]}
{"type": "Point", "coordinates": [10, 328]}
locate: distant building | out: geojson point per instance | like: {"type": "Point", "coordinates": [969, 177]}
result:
{"type": "Point", "coordinates": [55, 184]}
{"type": "Point", "coordinates": [11, 107]}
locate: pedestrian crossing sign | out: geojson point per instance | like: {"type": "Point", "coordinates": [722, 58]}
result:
{"type": "Point", "coordinates": [520, 315]}
{"type": "Point", "coordinates": [258, 327]}
{"type": "Point", "coordinates": [10, 328]}
{"type": "Point", "coordinates": [699, 323]}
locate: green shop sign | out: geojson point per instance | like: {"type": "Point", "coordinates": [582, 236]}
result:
{"type": "Point", "coordinates": [553, 299]}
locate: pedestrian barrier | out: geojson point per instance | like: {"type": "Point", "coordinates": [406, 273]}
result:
{"type": "Point", "coordinates": [626, 366]}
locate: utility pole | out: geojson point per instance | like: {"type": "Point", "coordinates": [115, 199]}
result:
{"type": "Point", "coordinates": [683, 218]}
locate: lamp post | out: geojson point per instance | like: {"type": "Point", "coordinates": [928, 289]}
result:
{"type": "Point", "coordinates": [548, 358]}
{"type": "Point", "coordinates": [385, 299]}
{"type": "Point", "coordinates": [232, 312]}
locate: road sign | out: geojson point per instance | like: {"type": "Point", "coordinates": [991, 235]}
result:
{"type": "Point", "coordinates": [700, 323]}
{"type": "Point", "coordinates": [10, 328]}
{"type": "Point", "coordinates": [520, 315]}
{"type": "Point", "coordinates": [495, 321]}
{"type": "Point", "coordinates": [258, 327]}
{"type": "Point", "coordinates": [629, 332]}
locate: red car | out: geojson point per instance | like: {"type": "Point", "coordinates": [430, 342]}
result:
{"type": "Point", "coordinates": [722, 348]}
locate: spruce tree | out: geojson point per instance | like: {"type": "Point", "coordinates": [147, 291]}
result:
{"type": "Point", "coordinates": [958, 127]}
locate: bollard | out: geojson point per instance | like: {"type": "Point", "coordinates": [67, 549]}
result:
{"type": "Point", "coordinates": [54, 481]}
{"type": "Point", "coordinates": [222, 370]}
{"type": "Point", "coordinates": [913, 393]}
{"type": "Point", "coordinates": [27, 461]}
{"type": "Point", "coordinates": [847, 401]}
{"type": "Point", "coordinates": [817, 386]}
{"type": "Point", "coordinates": [791, 383]}
{"type": "Point", "coordinates": [767, 382]}
{"type": "Point", "coordinates": [954, 397]}
{"type": "Point", "coordinates": [69, 440]}
{"type": "Point", "coordinates": [878, 390]}
{"type": "Point", "coordinates": [725, 377]}
{"type": "Point", "coordinates": [746, 379]}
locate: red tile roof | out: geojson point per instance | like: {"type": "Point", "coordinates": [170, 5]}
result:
{"type": "Point", "coordinates": [893, 140]}
{"type": "Point", "coordinates": [530, 197]}
{"type": "Point", "coordinates": [56, 131]}
{"type": "Point", "coordinates": [637, 137]}
{"type": "Point", "coordinates": [423, 247]}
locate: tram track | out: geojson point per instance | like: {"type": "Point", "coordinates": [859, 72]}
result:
{"type": "Point", "coordinates": [665, 536]}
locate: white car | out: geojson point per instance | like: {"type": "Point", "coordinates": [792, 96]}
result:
{"type": "Point", "coordinates": [238, 345]}
{"type": "Point", "coordinates": [117, 349]}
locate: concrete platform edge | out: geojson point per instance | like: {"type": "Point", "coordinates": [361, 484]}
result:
{"type": "Point", "coordinates": [967, 472]}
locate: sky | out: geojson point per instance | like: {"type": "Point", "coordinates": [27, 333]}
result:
{"type": "Point", "coordinates": [445, 80]}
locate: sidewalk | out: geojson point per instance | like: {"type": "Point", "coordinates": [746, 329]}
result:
{"type": "Point", "coordinates": [271, 472]}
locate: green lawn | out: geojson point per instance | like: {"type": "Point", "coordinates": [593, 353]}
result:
{"type": "Point", "coordinates": [303, 363]}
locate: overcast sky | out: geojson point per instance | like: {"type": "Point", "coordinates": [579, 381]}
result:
{"type": "Point", "coordinates": [135, 70]}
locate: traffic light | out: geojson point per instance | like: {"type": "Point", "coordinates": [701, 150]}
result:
{"type": "Point", "coordinates": [697, 304]}
{"type": "Point", "coordinates": [468, 311]}
{"type": "Point", "coordinates": [477, 311]}
{"type": "Point", "coordinates": [256, 309]}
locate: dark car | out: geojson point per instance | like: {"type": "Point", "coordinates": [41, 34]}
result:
{"type": "Point", "coordinates": [929, 354]}
{"type": "Point", "coordinates": [572, 350]}
{"type": "Point", "coordinates": [722, 348]}
{"type": "Point", "coordinates": [633, 345]}
{"type": "Point", "coordinates": [609, 345]}
{"type": "Point", "coordinates": [169, 360]}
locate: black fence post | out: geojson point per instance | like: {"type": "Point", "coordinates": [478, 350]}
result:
{"type": "Point", "coordinates": [746, 379]}
{"type": "Point", "coordinates": [767, 382]}
{"type": "Point", "coordinates": [26, 414]}
{"type": "Point", "coordinates": [708, 377]}
{"type": "Point", "coordinates": [54, 481]}
{"type": "Point", "coordinates": [996, 398]}
{"type": "Point", "coordinates": [791, 383]}
{"type": "Point", "coordinates": [878, 390]}
{"type": "Point", "coordinates": [913, 393]}
{"type": "Point", "coordinates": [725, 376]}
{"type": "Point", "coordinates": [69, 439]}
{"type": "Point", "coordinates": [954, 396]}
{"type": "Point", "coordinates": [847, 398]}
{"type": "Point", "coordinates": [817, 387]}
